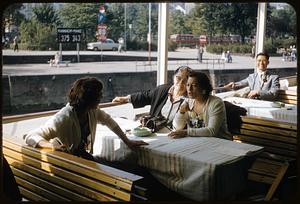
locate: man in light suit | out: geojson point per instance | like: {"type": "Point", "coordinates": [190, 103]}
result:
{"type": "Point", "coordinates": [263, 85]}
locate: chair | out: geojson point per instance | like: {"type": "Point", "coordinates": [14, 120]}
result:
{"type": "Point", "coordinates": [268, 171]}
{"type": "Point", "coordinates": [277, 162]}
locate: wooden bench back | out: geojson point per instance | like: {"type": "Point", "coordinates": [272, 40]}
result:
{"type": "Point", "coordinates": [278, 137]}
{"type": "Point", "coordinates": [46, 175]}
{"type": "Point", "coordinates": [287, 96]}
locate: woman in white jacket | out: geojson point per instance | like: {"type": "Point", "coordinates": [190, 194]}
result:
{"type": "Point", "coordinates": [73, 128]}
{"type": "Point", "coordinates": [202, 113]}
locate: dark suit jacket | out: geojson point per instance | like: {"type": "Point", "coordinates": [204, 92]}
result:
{"type": "Point", "coordinates": [156, 98]}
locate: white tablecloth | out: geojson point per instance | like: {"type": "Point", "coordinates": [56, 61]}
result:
{"type": "Point", "coordinates": [187, 166]}
{"type": "Point", "coordinates": [264, 109]}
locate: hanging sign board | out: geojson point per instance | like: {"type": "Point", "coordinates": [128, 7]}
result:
{"type": "Point", "coordinates": [69, 35]}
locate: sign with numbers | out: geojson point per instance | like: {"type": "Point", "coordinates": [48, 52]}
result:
{"type": "Point", "coordinates": [69, 35]}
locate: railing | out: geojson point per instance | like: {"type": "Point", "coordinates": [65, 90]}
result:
{"type": "Point", "coordinates": [15, 118]}
{"type": "Point", "coordinates": [174, 64]}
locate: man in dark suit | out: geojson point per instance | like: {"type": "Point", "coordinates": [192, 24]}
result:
{"type": "Point", "coordinates": [263, 85]}
{"type": "Point", "coordinates": [161, 98]}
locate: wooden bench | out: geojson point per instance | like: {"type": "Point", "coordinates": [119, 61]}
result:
{"type": "Point", "coordinates": [287, 96]}
{"type": "Point", "coordinates": [292, 80]}
{"type": "Point", "coordinates": [279, 139]}
{"type": "Point", "coordinates": [59, 63]}
{"type": "Point", "coordinates": [46, 175]}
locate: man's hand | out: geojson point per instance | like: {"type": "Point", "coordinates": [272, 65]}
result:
{"type": "Point", "coordinates": [253, 94]}
{"type": "Point", "coordinates": [178, 134]}
{"type": "Point", "coordinates": [121, 99]}
{"type": "Point", "coordinates": [229, 86]}
{"type": "Point", "coordinates": [133, 144]}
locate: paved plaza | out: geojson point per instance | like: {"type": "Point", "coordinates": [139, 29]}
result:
{"type": "Point", "coordinates": [184, 57]}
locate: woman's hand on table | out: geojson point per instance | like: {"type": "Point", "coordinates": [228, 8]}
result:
{"type": "Point", "coordinates": [184, 108]}
{"type": "Point", "coordinates": [54, 146]}
{"type": "Point", "coordinates": [178, 134]}
{"type": "Point", "coordinates": [133, 144]}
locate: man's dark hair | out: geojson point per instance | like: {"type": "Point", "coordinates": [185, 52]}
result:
{"type": "Point", "coordinates": [84, 92]}
{"type": "Point", "coordinates": [203, 82]}
{"type": "Point", "coordinates": [263, 54]}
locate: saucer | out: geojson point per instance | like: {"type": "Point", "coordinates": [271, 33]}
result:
{"type": "Point", "coordinates": [141, 131]}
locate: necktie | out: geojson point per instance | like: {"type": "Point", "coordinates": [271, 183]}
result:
{"type": "Point", "coordinates": [263, 77]}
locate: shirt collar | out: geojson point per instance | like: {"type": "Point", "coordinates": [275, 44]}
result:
{"type": "Point", "coordinates": [261, 73]}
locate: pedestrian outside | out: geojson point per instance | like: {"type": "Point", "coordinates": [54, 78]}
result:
{"type": "Point", "coordinates": [121, 44]}
{"type": "Point", "coordinates": [200, 53]}
{"type": "Point", "coordinates": [16, 46]}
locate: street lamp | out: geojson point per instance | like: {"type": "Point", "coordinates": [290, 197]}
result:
{"type": "Point", "coordinates": [149, 35]}
{"type": "Point", "coordinates": [125, 44]}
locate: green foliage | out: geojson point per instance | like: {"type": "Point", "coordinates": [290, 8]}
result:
{"type": "Point", "coordinates": [34, 35]}
{"type": "Point", "coordinates": [194, 21]}
{"type": "Point", "coordinates": [84, 15]}
{"type": "Point", "coordinates": [205, 18]}
{"type": "Point", "coordinates": [270, 46]}
{"type": "Point", "coordinates": [282, 22]}
{"type": "Point", "coordinates": [115, 14]}
{"type": "Point", "coordinates": [12, 15]}
{"type": "Point", "coordinates": [39, 32]}
{"type": "Point", "coordinates": [172, 46]}
{"type": "Point", "coordinates": [46, 14]}
{"type": "Point", "coordinates": [178, 23]}
{"type": "Point", "coordinates": [234, 48]}
{"type": "Point", "coordinates": [273, 44]}
{"type": "Point", "coordinates": [224, 19]}
{"type": "Point", "coordinates": [139, 45]}
{"type": "Point", "coordinates": [81, 15]}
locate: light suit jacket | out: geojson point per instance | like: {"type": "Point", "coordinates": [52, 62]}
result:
{"type": "Point", "coordinates": [65, 125]}
{"type": "Point", "coordinates": [267, 91]}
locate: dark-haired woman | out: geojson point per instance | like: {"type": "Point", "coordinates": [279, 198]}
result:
{"type": "Point", "coordinates": [73, 128]}
{"type": "Point", "coordinates": [202, 113]}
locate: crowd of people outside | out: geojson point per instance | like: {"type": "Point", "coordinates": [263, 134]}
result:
{"type": "Point", "coordinates": [289, 54]}
{"type": "Point", "coordinates": [226, 56]}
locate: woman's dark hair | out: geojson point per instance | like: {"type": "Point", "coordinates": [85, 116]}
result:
{"type": "Point", "coordinates": [189, 70]}
{"type": "Point", "coordinates": [85, 92]}
{"type": "Point", "coordinates": [263, 54]}
{"type": "Point", "coordinates": [203, 82]}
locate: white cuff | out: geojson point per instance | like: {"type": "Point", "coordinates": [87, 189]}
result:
{"type": "Point", "coordinates": [129, 98]}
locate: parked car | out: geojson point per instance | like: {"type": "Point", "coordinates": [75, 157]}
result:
{"type": "Point", "coordinates": [109, 44]}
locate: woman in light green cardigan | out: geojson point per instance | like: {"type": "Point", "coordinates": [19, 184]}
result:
{"type": "Point", "coordinates": [73, 128]}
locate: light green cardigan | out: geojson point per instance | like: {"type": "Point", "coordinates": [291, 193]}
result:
{"type": "Point", "coordinates": [65, 126]}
